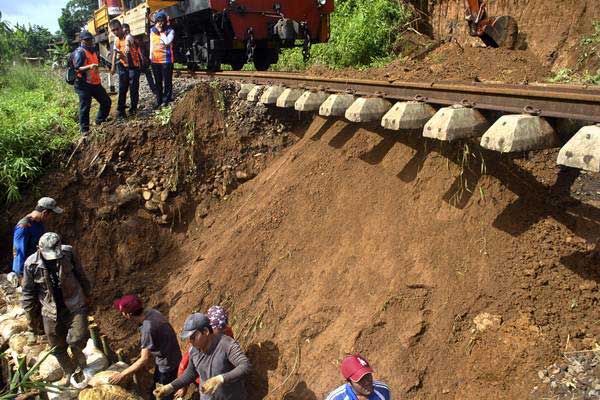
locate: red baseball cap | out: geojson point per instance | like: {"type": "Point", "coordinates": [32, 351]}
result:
{"type": "Point", "coordinates": [355, 367]}
{"type": "Point", "coordinates": [128, 304]}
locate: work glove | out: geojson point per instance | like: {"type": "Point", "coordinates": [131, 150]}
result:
{"type": "Point", "coordinates": [163, 391]}
{"type": "Point", "coordinates": [212, 384]}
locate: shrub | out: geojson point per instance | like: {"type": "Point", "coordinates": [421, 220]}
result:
{"type": "Point", "coordinates": [37, 117]}
{"type": "Point", "coordinates": [362, 33]}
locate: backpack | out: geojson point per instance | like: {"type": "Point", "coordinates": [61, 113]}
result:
{"type": "Point", "coordinates": [71, 73]}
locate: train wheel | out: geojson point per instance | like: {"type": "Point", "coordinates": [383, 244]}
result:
{"type": "Point", "coordinates": [262, 59]}
{"type": "Point", "coordinates": [237, 65]}
{"type": "Point", "coordinates": [237, 60]}
{"type": "Point", "coordinates": [210, 56]}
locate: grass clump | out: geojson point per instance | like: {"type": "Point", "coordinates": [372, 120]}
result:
{"type": "Point", "coordinates": [362, 34]}
{"type": "Point", "coordinates": [37, 118]}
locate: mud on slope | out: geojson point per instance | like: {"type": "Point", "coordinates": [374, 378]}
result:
{"type": "Point", "coordinates": [354, 239]}
{"type": "Point", "coordinates": [550, 29]}
{"type": "Point", "coordinates": [453, 62]}
{"type": "Point", "coordinates": [211, 144]}
{"type": "Point", "coordinates": [362, 240]}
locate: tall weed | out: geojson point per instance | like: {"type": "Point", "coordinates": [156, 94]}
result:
{"type": "Point", "coordinates": [362, 33]}
{"type": "Point", "coordinates": [37, 117]}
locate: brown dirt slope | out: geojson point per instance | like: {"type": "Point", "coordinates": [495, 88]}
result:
{"type": "Point", "coordinates": [551, 29]}
{"type": "Point", "coordinates": [353, 239]}
{"type": "Point", "coordinates": [358, 240]}
{"type": "Point", "coordinates": [452, 62]}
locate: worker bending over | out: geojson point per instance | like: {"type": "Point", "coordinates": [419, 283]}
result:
{"type": "Point", "coordinates": [29, 230]}
{"type": "Point", "coordinates": [55, 290]}
{"type": "Point", "coordinates": [216, 358]}
{"type": "Point", "coordinates": [157, 338]}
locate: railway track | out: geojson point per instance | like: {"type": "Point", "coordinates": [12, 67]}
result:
{"type": "Point", "coordinates": [442, 110]}
{"type": "Point", "coordinates": [558, 101]}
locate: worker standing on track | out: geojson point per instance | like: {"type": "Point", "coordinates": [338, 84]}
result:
{"type": "Point", "coordinates": [29, 230]}
{"type": "Point", "coordinates": [359, 382]}
{"type": "Point", "coordinates": [56, 290]}
{"type": "Point", "coordinates": [162, 58]}
{"type": "Point", "coordinates": [216, 358]}
{"type": "Point", "coordinates": [219, 321]}
{"type": "Point", "coordinates": [158, 340]}
{"type": "Point", "coordinates": [144, 60]}
{"type": "Point", "coordinates": [128, 68]}
{"type": "Point", "coordinates": [88, 84]}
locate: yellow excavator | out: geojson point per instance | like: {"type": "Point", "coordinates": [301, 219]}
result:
{"type": "Point", "coordinates": [493, 31]}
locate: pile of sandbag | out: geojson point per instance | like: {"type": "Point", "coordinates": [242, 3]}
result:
{"type": "Point", "coordinates": [95, 385]}
{"type": "Point", "coordinates": [107, 392]}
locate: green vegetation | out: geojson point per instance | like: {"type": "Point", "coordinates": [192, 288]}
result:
{"type": "Point", "coordinates": [21, 40]}
{"type": "Point", "coordinates": [20, 381]}
{"type": "Point", "coordinates": [75, 15]}
{"type": "Point", "coordinates": [590, 56]}
{"type": "Point", "coordinates": [37, 117]}
{"type": "Point", "coordinates": [362, 34]}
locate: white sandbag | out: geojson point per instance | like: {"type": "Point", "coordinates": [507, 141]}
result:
{"type": "Point", "coordinates": [107, 392]}
{"type": "Point", "coordinates": [67, 394]}
{"type": "Point", "coordinates": [50, 370]}
{"type": "Point", "coordinates": [103, 377]}
{"type": "Point", "coordinates": [11, 327]}
{"type": "Point", "coordinates": [32, 353]}
{"type": "Point", "coordinates": [18, 342]}
{"type": "Point", "coordinates": [95, 359]}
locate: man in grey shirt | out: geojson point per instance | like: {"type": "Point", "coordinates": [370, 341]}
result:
{"type": "Point", "coordinates": [216, 358]}
{"type": "Point", "coordinates": [158, 340]}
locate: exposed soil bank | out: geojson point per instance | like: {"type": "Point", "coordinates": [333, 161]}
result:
{"type": "Point", "coordinates": [349, 238]}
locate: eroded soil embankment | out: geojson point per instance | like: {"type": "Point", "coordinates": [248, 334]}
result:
{"type": "Point", "coordinates": [353, 239]}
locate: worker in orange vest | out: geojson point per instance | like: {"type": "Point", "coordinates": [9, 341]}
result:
{"type": "Point", "coordinates": [88, 84]}
{"type": "Point", "coordinates": [162, 58]}
{"type": "Point", "coordinates": [126, 59]}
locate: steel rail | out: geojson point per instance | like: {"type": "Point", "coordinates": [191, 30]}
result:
{"type": "Point", "coordinates": [558, 101]}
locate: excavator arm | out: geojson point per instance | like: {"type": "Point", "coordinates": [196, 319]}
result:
{"type": "Point", "coordinates": [493, 31]}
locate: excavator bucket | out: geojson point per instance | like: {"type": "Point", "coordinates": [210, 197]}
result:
{"type": "Point", "coordinates": [500, 32]}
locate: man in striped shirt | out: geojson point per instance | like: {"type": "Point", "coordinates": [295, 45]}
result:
{"type": "Point", "coordinates": [359, 382]}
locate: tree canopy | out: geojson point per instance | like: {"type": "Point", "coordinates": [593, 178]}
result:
{"type": "Point", "coordinates": [21, 40]}
{"type": "Point", "coordinates": [74, 16]}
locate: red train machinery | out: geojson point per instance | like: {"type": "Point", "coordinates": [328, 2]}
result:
{"type": "Point", "coordinates": [234, 32]}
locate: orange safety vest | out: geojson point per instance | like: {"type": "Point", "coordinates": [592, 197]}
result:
{"type": "Point", "coordinates": [92, 77]}
{"type": "Point", "coordinates": [121, 44]}
{"type": "Point", "coordinates": [160, 54]}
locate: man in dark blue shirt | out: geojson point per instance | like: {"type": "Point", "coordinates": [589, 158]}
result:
{"type": "Point", "coordinates": [28, 231]}
{"type": "Point", "coordinates": [88, 84]}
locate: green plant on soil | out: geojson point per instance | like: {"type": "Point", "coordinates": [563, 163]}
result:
{"type": "Point", "coordinates": [362, 34]}
{"type": "Point", "coordinates": [589, 58]}
{"type": "Point", "coordinates": [563, 75]}
{"type": "Point", "coordinates": [37, 118]}
{"type": "Point", "coordinates": [163, 116]}
{"type": "Point", "coordinates": [20, 381]}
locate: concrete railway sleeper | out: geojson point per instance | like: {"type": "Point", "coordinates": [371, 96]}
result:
{"type": "Point", "coordinates": [444, 111]}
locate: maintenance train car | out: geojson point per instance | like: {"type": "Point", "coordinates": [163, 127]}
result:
{"type": "Point", "coordinates": [215, 32]}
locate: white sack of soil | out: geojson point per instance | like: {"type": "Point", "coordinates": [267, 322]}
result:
{"type": "Point", "coordinates": [11, 327]}
{"type": "Point", "coordinates": [96, 360]}
{"type": "Point", "coordinates": [107, 392]}
{"type": "Point", "coordinates": [67, 394]}
{"type": "Point", "coordinates": [12, 312]}
{"type": "Point", "coordinates": [102, 378]}
{"type": "Point", "coordinates": [32, 353]}
{"type": "Point", "coordinates": [50, 370]}
{"type": "Point", "coordinates": [18, 342]}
